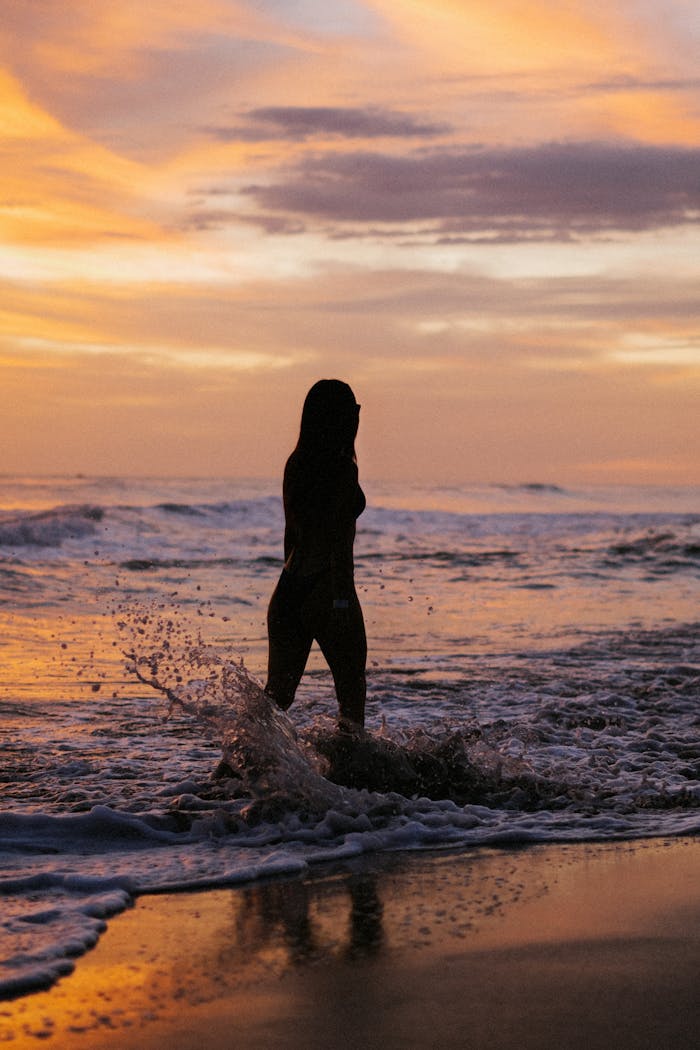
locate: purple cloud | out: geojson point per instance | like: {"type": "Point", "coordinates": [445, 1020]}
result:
{"type": "Point", "coordinates": [298, 123]}
{"type": "Point", "coordinates": [629, 83]}
{"type": "Point", "coordinates": [553, 191]}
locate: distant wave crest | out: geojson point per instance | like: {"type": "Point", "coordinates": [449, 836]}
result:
{"type": "Point", "coordinates": [661, 551]}
{"type": "Point", "coordinates": [535, 487]}
{"type": "Point", "coordinates": [49, 528]}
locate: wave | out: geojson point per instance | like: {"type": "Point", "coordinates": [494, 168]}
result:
{"type": "Point", "coordinates": [49, 528]}
{"type": "Point", "coordinates": [535, 487]}
{"type": "Point", "coordinates": [180, 508]}
{"type": "Point", "coordinates": [146, 564]}
{"type": "Point", "coordinates": [48, 920]}
{"type": "Point", "coordinates": [661, 552]}
{"type": "Point", "coordinates": [15, 580]}
{"type": "Point", "coordinates": [459, 559]}
{"type": "Point", "coordinates": [234, 507]}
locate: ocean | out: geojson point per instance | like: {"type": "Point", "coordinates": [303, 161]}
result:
{"type": "Point", "coordinates": [533, 677]}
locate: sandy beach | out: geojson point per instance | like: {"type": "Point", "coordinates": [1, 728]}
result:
{"type": "Point", "coordinates": [590, 945]}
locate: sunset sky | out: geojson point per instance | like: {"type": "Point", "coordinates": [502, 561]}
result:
{"type": "Point", "coordinates": [483, 214]}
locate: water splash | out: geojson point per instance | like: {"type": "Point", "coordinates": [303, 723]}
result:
{"type": "Point", "coordinates": [262, 754]}
{"type": "Point", "coordinates": [442, 762]}
{"type": "Point", "coordinates": [267, 758]}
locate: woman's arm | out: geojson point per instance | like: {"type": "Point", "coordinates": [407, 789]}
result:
{"type": "Point", "coordinates": [347, 503]}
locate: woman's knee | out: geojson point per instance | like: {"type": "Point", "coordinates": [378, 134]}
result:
{"type": "Point", "coordinates": [281, 693]}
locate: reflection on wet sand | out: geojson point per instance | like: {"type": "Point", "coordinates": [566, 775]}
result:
{"type": "Point", "coordinates": [283, 913]}
{"type": "Point", "coordinates": [178, 952]}
{"type": "Point", "coordinates": [547, 943]}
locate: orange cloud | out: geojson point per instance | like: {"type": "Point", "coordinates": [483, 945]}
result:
{"type": "Point", "coordinates": [57, 186]}
{"type": "Point", "coordinates": [501, 37]}
{"type": "Point", "coordinates": [103, 38]}
{"type": "Point", "coordinates": [533, 70]}
{"type": "Point", "coordinates": [649, 115]}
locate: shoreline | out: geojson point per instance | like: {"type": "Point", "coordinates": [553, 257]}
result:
{"type": "Point", "coordinates": [578, 945]}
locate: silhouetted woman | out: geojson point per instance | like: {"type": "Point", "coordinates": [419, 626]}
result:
{"type": "Point", "coordinates": [315, 598]}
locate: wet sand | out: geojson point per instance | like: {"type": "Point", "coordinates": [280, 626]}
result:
{"type": "Point", "coordinates": [581, 946]}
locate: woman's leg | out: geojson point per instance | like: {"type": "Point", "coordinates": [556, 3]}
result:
{"type": "Point", "coordinates": [343, 643]}
{"type": "Point", "coordinates": [289, 643]}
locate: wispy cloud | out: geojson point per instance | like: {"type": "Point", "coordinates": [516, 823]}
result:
{"type": "Point", "coordinates": [299, 123]}
{"type": "Point", "coordinates": [551, 192]}
{"type": "Point", "coordinates": [627, 82]}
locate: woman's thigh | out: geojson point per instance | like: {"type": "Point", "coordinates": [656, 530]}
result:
{"type": "Point", "coordinates": [341, 636]}
{"type": "Point", "coordinates": [289, 643]}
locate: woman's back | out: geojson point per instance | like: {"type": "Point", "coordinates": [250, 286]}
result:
{"type": "Point", "coordinates": [322, 500]}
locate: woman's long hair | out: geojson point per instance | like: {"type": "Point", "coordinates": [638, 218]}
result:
{"type": "Point", "coordinates": [329, 422]}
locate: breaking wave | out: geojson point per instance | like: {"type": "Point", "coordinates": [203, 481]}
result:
{"type": "Point", "coordinates": [657, 551]}
{"type": "Point", "coordinates": [49, 528]}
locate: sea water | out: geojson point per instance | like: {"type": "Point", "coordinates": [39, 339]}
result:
{"type": "Point", "coordinates": [534, 676]}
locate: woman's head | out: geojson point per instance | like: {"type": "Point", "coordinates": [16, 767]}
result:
{"type": "Point", "coordinates": [329, 419]}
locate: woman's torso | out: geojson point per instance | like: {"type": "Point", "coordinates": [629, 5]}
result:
{"type": "Point", "coordinates": [321, 503]}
